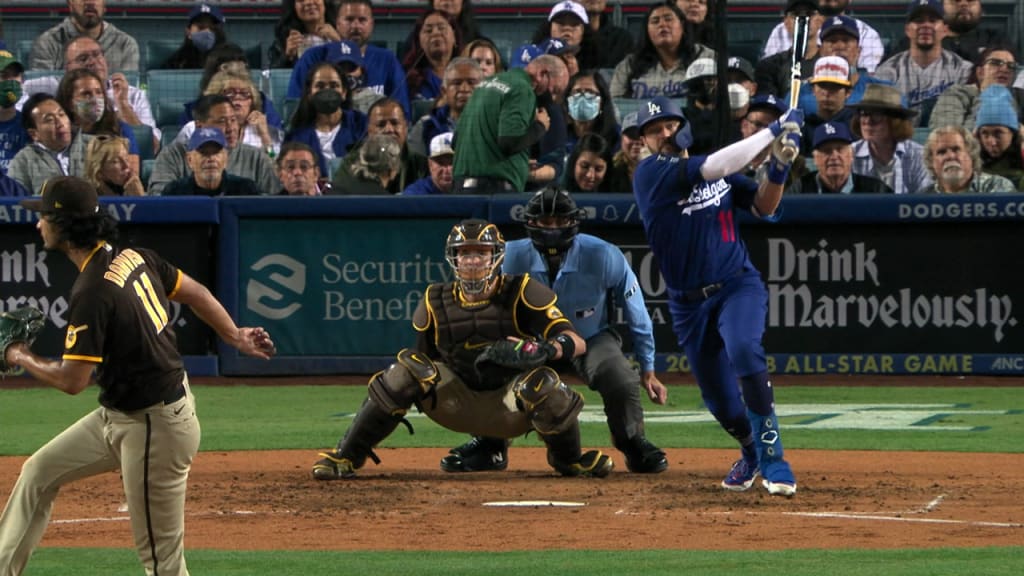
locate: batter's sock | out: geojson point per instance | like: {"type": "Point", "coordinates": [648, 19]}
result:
{"type": "Point", "coordinates": [758, 394]}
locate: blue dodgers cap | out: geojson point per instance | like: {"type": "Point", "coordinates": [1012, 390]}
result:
{"type": "Point", "coordinates": [204, 9]}
{"type": "Point", "coordinates": [917, 7]}
{"type": "Point", "coordinates": [768, 102]}
{"type": "Point", "coordinates": [843, 24]}
{"type": "Point", "coordinates": [523, 55]}
{"type": "Point", "coordinates": [657, 109]}
{"type": "Point", "coordinates": [206, 135]}
{"type": "Point", "coordinates": [556, 47]}
{"type": "Point", "coordinates": [344, 51]}
{"type": "Point", "coordinates": [830, 131]}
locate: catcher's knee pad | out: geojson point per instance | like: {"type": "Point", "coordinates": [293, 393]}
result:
{"type": "Point", "coordinates": [551, 405]}
{"type": "Point", "coordinates": [405, 382]}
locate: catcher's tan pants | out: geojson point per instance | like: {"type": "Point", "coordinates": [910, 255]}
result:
{"type": "Point", "coordinates": [153, 449]}
{"type": "Point", "coordinates": [492, 413]}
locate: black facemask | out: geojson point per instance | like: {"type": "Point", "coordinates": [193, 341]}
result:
{"type": "Point", "coordinates": [326, 102]}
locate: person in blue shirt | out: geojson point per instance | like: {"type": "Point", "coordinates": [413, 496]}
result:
{"type": "Point", "coordinates": [440, 166]}
{"type": "Point", "coordinates": [384, 74]}
{"type": "Point", "coordinates": [716, 298]}
{"type": "Point", "coordinates": [588, 275]}
{"type": "Point", "coordinates": [9, 187]}
{"type": "Point", "coordinates": [12, 133]}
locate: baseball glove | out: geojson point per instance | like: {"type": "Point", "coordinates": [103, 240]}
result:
{"type": "Point", "coordinates": [21, 325]}
{"type": "Point", "coordinates": [521, 355]}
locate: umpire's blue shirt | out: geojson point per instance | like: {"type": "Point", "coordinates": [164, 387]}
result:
{"type": "Point", "coordinates": [593, 271]}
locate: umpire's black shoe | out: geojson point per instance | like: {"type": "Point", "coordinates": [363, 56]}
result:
{"type": "Point", "coordinates": [646, 458]}
{"type": "Point", "coordinates": [477, 455]}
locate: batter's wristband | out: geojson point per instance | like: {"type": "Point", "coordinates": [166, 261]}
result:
{"type": "Point", "coordinates": [568, 345]}
{"type": "Point", "coordinates": [777, 172]}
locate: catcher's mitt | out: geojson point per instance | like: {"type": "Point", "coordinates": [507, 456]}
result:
{"type": "Point", "coordinates": [520, 355]}
{"type": "Point", "coordinates": [21, 325]}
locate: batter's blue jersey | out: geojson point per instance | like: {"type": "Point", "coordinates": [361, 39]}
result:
{"type": "Point", "coordinates": [690, 222]}
{"type": "Point", "coordinates": [593, 275]}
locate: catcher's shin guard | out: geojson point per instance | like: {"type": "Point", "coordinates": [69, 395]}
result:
{"type": "Point", "coordinates": [777, 476]}
{"type": "Point", "coordinates": [551, 405]}
{"type": "Point", "coordinates": [371, 425]}
{"type": "Point", "coordinates": [564, 455]}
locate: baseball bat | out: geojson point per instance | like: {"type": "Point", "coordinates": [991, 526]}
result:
{"type": "Point", "coordinates": [800, 29]}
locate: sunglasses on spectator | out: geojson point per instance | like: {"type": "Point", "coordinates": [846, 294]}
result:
{"type": "Point", "coordinates": [1000, 63]}
{"type": "Point", "coordinates": [237, 94]}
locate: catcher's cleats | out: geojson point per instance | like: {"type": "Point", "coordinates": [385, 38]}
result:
{"type": "Point", "coordinates": [333, 467]}
{"type": "Point", "coordinates": [477, 455]}
{"type": "Point", "coordinates": [592, 464]}
{"type": "Point", "coordinates": [646, 458]}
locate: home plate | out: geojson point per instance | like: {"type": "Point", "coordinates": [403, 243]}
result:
{"type": "Point", "coordinates": [521, 503]}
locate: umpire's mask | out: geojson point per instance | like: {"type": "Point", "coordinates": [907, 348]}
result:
{"type": "Point", "coordinates": [552, 220]}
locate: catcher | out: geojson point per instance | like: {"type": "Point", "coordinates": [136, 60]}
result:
{"type": "Point", "coordinates": [477, 368]}
{"type": "Point", "coordinates": [146, 425]}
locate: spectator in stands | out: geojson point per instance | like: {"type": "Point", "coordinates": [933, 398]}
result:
{"type": "Point", "coordinates": [215, 111]}
{"type": "Point", "coordinates": [631, 151]}
{"type": "Point", "coordinates": [108, 166]}
{"type": "Point", "coordinates": [207, 158]}
{"type": "Point", "coordinates": [964, 37]}
{"type": "Point", "coordinates": [386, 118]}
{"type": "Point", "coordinates": [204, 31]}
{"type": "Point", "coordinates": [461, 78]}
{"type": "Point", "coordinates": [55, 150]}
{"type": "Point", "coordinates": [130, 103]}
{"type": "Point", "coordinates": [698, 20]}
{"type": "Point", "coordinates": [324, 119]}
{"type": "Point", "coordinates": [953, 156]}
{"type": "Point", "coordinates": [741, 72]}
{"type": "Point", "coordinates": [831, 87]}
{"type": "Point", "coordinates": [462, 12]}
{"type": "Point", "coordinates": [547, 156]}
{"type": "Point", "coordinates": [588, 165]}
{"type": "Point", "coordinates": [614, 42]}
{"type": "Point", "coordinates": [702, 102]}
{"type": "Point", "coordinates": [868, 40]}
{"type": "Point", "coordinates": [440, 166]}
{"type": "Point", "coordinates": [761, 112]}
{"type": "Point", "coordinates": [926, 69]}
{"type": "Point", "coordinates": [232, 59]}
{"type": "Point", "coordinates": [298, 171]}
{"type": "Point", "coordinates": [590, 109]}
{"type": "Point", "coordinates": [82, 95]}
{"type": "Point", "coordinates": [383, 74]}
{"type": "Point", "coordinates": [658, 67]}
{"type": "Point", "coordinates": [886, 149]}
{"type": "Point", "coordinates": [833, 157]}
{"type": "Point", "coordinates": [12, 133]}
{"type": "Point", "coordinates": [486, 55]}
{"type": "Point", "coordinates": [839, 38]}
{"type": "Point", "coordinates": [435, 41]}
{"type": "Point", "coordinates": [373, 170]}
{"type": "Point", "coordinates": [501, 122]}
{"type": "Point", "coordinates": [248, 104]}
{"type": "Point", "coordinates": [303, 24]}
{"type": "Point", "coordinates": [85, 19]}
{"type": "Point", "coordinates": [773, 73]}
{"type": "Point", "coordinates": [959, 104]}
{"type": "Point", "coordinates": [9, 187]}
{"type": "Point", "coordinates": [566, 33]}
{"type": "Point", "coordinates": [999, 134]}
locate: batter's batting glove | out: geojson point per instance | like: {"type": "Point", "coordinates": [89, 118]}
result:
{"type": "Point", "coordinates": [521, 355]}
{"type": "Point", "coordinates": [21, 325]}
{"type": "Point", "coordinates": [792, 116]}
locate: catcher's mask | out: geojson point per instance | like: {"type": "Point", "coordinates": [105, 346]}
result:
{"type": "Point", "coordinates": [552, 203]}
{"type": "Point", "coordinates": [474, 278]}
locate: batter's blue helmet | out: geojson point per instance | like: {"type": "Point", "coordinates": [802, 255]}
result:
{"type": "Point", "coordinates": [661, 108]}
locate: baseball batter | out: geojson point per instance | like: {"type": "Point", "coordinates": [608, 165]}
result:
{"type": "Point", "coordinates": [717, 300]}
{"type": "Point", "coordinates": [589, 276]}
{"type": "Point", "coordinates": [476, 368]}
{"type": "Point", "coordinates": [146, 426]}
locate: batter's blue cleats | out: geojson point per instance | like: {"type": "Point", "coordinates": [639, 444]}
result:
{"type": "Point", "coordinates": [777, 477]}
{"type": "Point", "coordinates": [741, 477]}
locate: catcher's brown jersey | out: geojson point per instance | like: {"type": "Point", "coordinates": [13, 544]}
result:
{"type": "Point", "coordinates": [119, 319]}
{"type": "Point", "coordinates": [455, 331]}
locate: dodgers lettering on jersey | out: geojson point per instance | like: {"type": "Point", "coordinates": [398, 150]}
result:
{"type": "Point", "coordinates": [690, 222]}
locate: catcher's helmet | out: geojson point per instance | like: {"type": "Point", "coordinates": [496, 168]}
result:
{"type": "Point", "coordinates": [475, 233]}
{"type": "Point", "coordinates": [552, 202]}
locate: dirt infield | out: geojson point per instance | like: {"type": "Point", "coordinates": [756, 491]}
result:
{"type": "Point", "coordinates": [268, 500]}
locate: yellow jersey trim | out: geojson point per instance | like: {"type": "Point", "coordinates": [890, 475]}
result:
{"type": "Point", "coordinates": [96, 359]}
{"type": "Point", "coordinates": [89, 257]}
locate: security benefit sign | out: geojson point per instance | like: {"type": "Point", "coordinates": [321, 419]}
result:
{"type": "Point", "coordinates": [940, 288]}
{"type": "Point", "coordinates": [338, 287]}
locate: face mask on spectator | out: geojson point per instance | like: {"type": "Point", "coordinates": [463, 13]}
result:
{"type": "Point", "coordinates": [10, 93]}
{"type": "Point", "coordinates": [90, 111]}
{"type": "Point", "coordinates": [326, 101]}
{"type": "Point", "coordinates": [204, 40]}
{"type": "Point", "coordinates": [584, 107]}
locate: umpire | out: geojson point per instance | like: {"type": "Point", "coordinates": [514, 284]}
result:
{"type": "Point", "coordinates": [146, 426]}
{"type": "Point", "coordinates": [588, 275]}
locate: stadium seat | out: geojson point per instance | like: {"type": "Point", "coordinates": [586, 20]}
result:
{"type": "Point", "coordinates": [144, 139]}
{"type": "Point", "coordinates": [921, 134]}
{"type": "Point", "coordinates": [173, 86]}
{"type": "Point", "coordinates": [278, 83]}
{"type": "Point", "coordinates": [156, 52]}
{"type": "Point", "coordinates": [23, 50]}
{"type": "Point", "coordinates": [421, 108]}
{"type": "Point", "coordinates": [255, 56]}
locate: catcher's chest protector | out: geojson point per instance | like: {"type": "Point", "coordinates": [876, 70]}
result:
{"type": "Point", "coordinates": [463, 329]}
